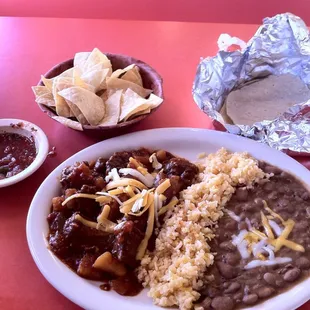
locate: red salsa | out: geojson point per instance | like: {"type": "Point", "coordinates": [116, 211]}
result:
{"type": "Point", "coordinates": [17, 152]}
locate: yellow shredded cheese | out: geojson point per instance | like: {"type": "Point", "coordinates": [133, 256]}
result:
{"type": "Point", "coordinates": [129, 203]}
{"type": "Point", "coordinates": [103, 199]}
{"type": "Point", "coordinates": [170, 205]}
{"type": "Point", "coordinates": [116, 191]}
{"type": "Point", "coordinates": [135, 162]}
{"type": "Point", "coordinates": [79, 195]}
{"type": "Point", "coordinates": [150, 201]}
{"type": "Point", "coordinates": [129, 191]}
{"type": "Point", "coordinates": [163, 187]}
{"type": "Point", "coordinates": [162, 197]}
{"type": "Point", "coordinates": [142, 170]}
{"type": "Point", "coordinates": [148, 233]}
{"type": "Point", "coordinates": [126, 182]}
{"type": "Point", "coordinates": [274, 214]}
{"type": "Point", "coordinates": [266, 225]}
{"type": "Point", "coordinates": [86, 222]}
{"type": "Point", "coordinates": [104, 213]}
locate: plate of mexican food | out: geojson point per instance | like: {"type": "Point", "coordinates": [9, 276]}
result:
{"type": "Point", "coordinates": [175, 217]}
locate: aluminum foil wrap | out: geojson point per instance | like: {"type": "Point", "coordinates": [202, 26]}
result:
{"type": "Point", "coordinates": [281, 45]}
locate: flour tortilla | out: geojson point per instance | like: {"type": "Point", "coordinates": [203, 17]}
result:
{"type": "Point", "coordinates": [89, 103]}
{"type": "Point", "coordinates": [112, 108]}
{"type": "Point", "coordinates": [116, 83]}
{"type": "Point", "coordinates": [265, 99]}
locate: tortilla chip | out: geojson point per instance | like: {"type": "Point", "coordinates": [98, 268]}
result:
{"type": "Point", "coordinates": [77, 113]}
{"type": "Point", "coordinates": [46, 99]}
{"type": "Point", "coordinates": [89, 104]}
{"type": "Point", "coordinates": [80, 59]}
{"type": "Point", "coordinates": [47, 82]}
{"type": "Point", "coordinates": [116, 83]}
{"type": "Point", "coordinates": [133, 76]}
{"type": "Point", "coordinates": [97, 57]}
{"type": "Point", "coordinates": [62, 108]}
{"type": "Point", "coordinates": [96, 77]}
{"type": "Point", "coordinates": [40, 90]}
{"type": "Point", "coordinates": [132, 104]}
{"type": "Point", "coordinates": [154, 101]}
{"type": "Point", "coordinates": [147, 111]}
{"type": "Point", "coordinates": [68, 122]}
{"type": "Point", "coordinates": [117, 73]}
{"type": "Point", "coordinates": [68, 73]}
{"type": "Point", "coordinates": [112, 108]}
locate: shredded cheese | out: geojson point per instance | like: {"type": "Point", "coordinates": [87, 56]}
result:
{"type": "Point", "coordinates": [275, 227]}
{"type": "Point", "coordinates": [146, 207]}
{"type": "Point", "coordinates": [170, 205]}
{"type": "Point", "coordinates": [148, 233]}
{"type": "Point", "coordinates": [147, 179]}
{"type": "Point", "coordinates": [79, 195]}
{"type": "Point", "coordinates": [86, 222]}
{"type": "Point", "coordinates": [116, 191]}
{"type": "Point", "coordinates": [155, 163]}
{"type": "Point", "coordinates": [104, 213]}
{"type": "Point", "coordinates": [103, 199]}
{"type": "Point", "coordinates": [135, 162]}
{"type": "Point", "coordinates": [266, 225]}
{"type": "Point", "coordinates": [162, 197]}
{"type": "Point", "coordinates": [109, 195]}
{"type": "Point", "coordinates": [163, 186]}
{"type": "Point", "coordinates": [233, 215]}
{"type": "Point", "coordinates": [142, 170]}
{"type": "Point", "coordinates": [125, 182]}
{"type": "Point", "coordinates": [105, 225]}
{"type": "Point", "coordinates": [129, 191]}
{"type": "Point", "coordinates": [112, 175]}
{"type": "Point", "coordinates": [258, 263]}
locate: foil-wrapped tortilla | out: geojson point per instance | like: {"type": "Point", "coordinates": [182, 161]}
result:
{"type": "Point", "coordinates": [280, 46]}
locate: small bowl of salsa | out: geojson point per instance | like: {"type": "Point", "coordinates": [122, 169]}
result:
{"type": "Point", "coordinates": [23, 149]}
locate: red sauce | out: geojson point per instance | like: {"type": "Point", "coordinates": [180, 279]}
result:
{"type": "Point", "coordinates": [17, 152]}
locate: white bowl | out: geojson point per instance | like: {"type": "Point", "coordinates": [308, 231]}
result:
{"type": "Point", "coordinates": [28, 129]}
{"type": "Point", "coordinates": [185, 142]}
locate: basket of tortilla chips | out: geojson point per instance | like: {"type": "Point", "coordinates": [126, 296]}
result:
{"type": "Point", "coordinates": [99, 91]}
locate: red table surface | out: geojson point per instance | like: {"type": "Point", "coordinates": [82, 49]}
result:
{"type": "Point", "coordinates": [29, 47]}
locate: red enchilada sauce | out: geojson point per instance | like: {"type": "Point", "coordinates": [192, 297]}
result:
{"type": "Point", "coordinates": [17, 152]}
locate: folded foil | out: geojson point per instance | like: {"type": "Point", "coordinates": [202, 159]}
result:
{"type": "Point", "coordinates": [281, 45]}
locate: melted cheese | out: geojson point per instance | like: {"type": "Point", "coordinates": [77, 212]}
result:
{"type": "Point", "coordinates": [163, 187]}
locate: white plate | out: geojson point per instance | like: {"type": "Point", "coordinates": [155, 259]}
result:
{"type": "Point", "coordinates": [41, 143]}
{"type": "Point", "coordinates": [181, 141]}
